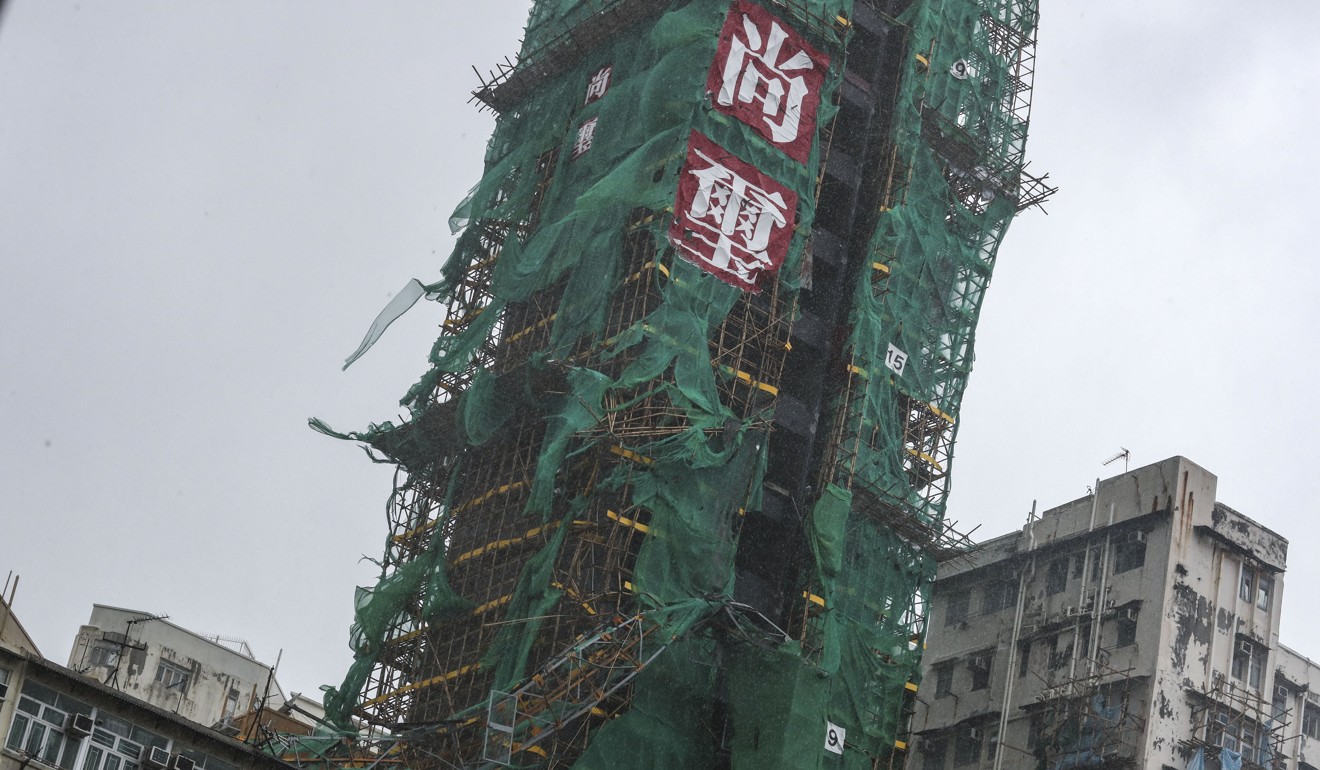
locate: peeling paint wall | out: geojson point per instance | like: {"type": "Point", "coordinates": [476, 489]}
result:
{"type": "Point", "coordinates": [220, 682]}
{"type": "Point", "coordinates": [1173, 619]}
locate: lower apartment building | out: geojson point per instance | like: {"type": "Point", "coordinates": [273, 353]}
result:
{"type": "Point", "coordinates": [1137, 627]}
{"type": "Point", "coordinates": [54, 717]}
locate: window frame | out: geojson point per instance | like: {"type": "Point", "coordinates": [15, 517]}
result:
{"type": "Point", "coordinates": [943, 680]}
{"type": "Point", "coordinates": [981, 674]}
{"type": "Point", "coordinates": [179, 677]}
{"type": "Point", "coordinates": [957, 607]}
{"type": "Point", "coordinates": [1247, 584]}
{"type": "Point", "coordinates": [1056, 576]}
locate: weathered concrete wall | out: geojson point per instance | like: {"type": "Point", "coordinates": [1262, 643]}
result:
{"type": "Point", "coordinates": [1078, 573]}
{"type": "Point", "coordinates": [216, 672]}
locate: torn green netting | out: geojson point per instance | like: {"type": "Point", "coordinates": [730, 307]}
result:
{"type": "Point", "coordinates": [569, 234]}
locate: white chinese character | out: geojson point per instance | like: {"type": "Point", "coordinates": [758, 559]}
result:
{"type": "Point", "coordinates": [598, 85]}
{"type": "Point", "coordinates": [739, 218]}
{"type": "Point", "coordinates": [754, 72]}
{"type": "Point", "coordinates": [586, 133]}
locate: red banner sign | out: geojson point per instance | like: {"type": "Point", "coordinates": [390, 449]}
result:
{"type": "Point", "coordinates": [730, 219]}
{"type": "Point", "coordinates": [769, 77]}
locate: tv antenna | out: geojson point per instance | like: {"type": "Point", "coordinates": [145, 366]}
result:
{"type": "Point", "coordinates": [112, 680]}
{"type": "Point", "coordinates": [1126, 454]}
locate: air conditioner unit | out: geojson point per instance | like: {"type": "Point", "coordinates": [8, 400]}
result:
{"type": "Point", "coordinates": [155, 756]}
{"type": "Point", "coordinates": [180, 762]}
{"type": "Point", "coordinates": [974, 733]}
{"type": "Point", "coordinates": [1137, 536]}
{"type": "Point", "coordinates": [980, 662]}
{"type": "Point", "coordinates": [78, 726]}
{"type": "Point", "coordinates": [1130, 615]}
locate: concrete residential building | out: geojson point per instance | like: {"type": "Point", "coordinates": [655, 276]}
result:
{"type": "Point", "coordinates": [1137, 627]}
{"type": "Point", "coordinates": [53, 717]}
{"type": "Point", "coordinates": [197, 677]}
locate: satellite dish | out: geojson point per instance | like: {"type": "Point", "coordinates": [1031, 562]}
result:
{"type": "Point", "coordinates": [959, 69]}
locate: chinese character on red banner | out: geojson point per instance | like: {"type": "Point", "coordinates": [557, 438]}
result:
{"type": "Point", "coordinates": [598, 84]}
{"type": "Point", "coordinates": [730, 219]}
{"type": "Point", "coordinates": [586, 134]}
{"type": "Point", "coordinates": [769, 77]}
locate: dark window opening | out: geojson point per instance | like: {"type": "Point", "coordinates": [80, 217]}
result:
{"type": "Point", "coordinates": [980, 667]}
{"type": "Point", "coordinates": [1131, 555]}
{"type": "Point", "coordinates": [956, 610]}
{"type": "Point", "coordinates": [943, 681]}
{"type": "Point", "coordinates": [967, 748]}
{"type": "Point", "coordinates": [1127, 628]}
{"type": "Point", "coordinates": [1056, 577]}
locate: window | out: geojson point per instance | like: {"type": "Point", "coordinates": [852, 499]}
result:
{"type": "Point", "coordinates": [1127, 627]}
{"type": "Point", "coordinates": [1056, 577]}
{"type": "Point", "coordinates": [1311, 720]}
{"type": "Point", "coordinates": [1246, 591]}
{"type": "Point", "coordinates": [1061, 651]}
{"type": "Point", "coordinates": [1024, 659]}
{"type": "Point", "coordinates": [4, 684]}
{"type": "Point", "coordinates": [967, 748]}
{"type": "Point", "coordinates": [956, 611]}
{"type": "Point", "coordinates": [980, 667]}
{"type": "Point", "coordinates": [1130, 555]}
{"type": "Point", "coordinates": [943, 680]}
{"type": "Point", "coordinates": [999, 595]}
{"type": "Point", "coordinates": [173, 676]}
{"type": "Point", "coordinates": [104, 655]}
{"type": "Point", "coordinates": [1264, 591]}
{"type": "Point", "coordinates": [205, 761]}
{"type": "Point", "coordinates": [933, 751]}
{"type": "Point", "coordinates": [38, 726]}
{"type": "Point", "coordinates": [1281, 697]}
{"type": "Point", "coordinates": [1078, 565]}
{"type": "Point", "coordinates": [117, 744]}
{"type": "Point", "coordinates": [1249, 663]}
{"type": "Point", "coordinates": [231, 703]}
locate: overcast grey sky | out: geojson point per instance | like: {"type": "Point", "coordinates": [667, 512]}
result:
{"type": "Point", "coordinates": [204, 204]}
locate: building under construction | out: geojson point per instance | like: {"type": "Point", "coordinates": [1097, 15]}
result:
{"type": "Point", "coordinates": [672, 491]}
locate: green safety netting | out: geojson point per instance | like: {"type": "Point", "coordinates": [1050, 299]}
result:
{"type": "Point", "coordinates": [560, 221]}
